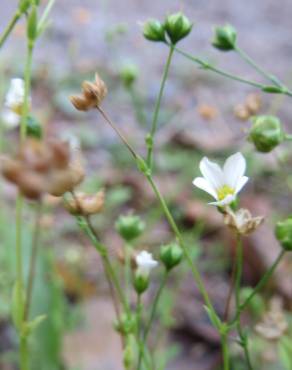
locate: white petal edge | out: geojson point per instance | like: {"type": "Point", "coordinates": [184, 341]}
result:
{"type": "Point", "coordinates": [203, 184]}
{"type": "Point", "coordinates": [212, 172]}
{"type": "Point", "coordinates": [224, 202]}
{"type": "Point", "coordinates": [234, 168]}
{"type": "Point", "coordinates": [240, 183]}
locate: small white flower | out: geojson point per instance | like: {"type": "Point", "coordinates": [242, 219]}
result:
{"type": "Point", "coordinates": [13, 103]}
{"type": "Point", "coordinates": [223, 184]}
{"type": "Point", "coordinates": [145, 262]}
{"type": "Point", "coordinates": [15, 95]}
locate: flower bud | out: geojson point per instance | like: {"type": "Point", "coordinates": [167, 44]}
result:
{"type": "Point", "coordinates": [177, 27]}
{"type": "Point", "coordinates": [283, 233]}
{"type": "Point", "coordinates": [84, 204]}
{"type": "Point", "coordinates": [266, 133]}
{"type": "Point", "coordinates": [128, 357]}
{"type": "Point", "coordinates": [32, 24]}
{"type": "Point", "coordinates": [33, 128]}
{"type": "Point", "coordinates": [23, 5]}
{"type": "Point", "coordinates": [141, 282]}
{"type": "Point", "coordinates": [129, 74]}
{"type": "Point", "coordinates": [171, 255]}
{"type": "Point", "coordinates": [224, 38]}
{"type": "Point", "coordinates": [153, 30]}
{"type": "Point", "coordinates": [126, 324]}
{"type": "Point", "coordinates": [130, 227]}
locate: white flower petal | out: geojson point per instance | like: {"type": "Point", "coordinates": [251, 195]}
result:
{"type": "Point", "coordinates": [212, 173]}
{"type": "Point", "coordinates": [145, 262]}
{"type": "Point", "coordinates": [15, 94]}
{"type": "Point", "coordinates": [234, 169]}
{"type": "Point", "coordinates": [203, 184]}
{"type": "Point", "coordinates": [240, 183]}
{"type": "Point", "coordinates": [224, 202]}
{"type": "Point", "coordinates": [10, 119]}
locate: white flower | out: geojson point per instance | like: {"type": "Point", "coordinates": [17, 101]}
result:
{"type": "Point", "coordinates": [223, 184]}
{"type": "Point", "coordinates": [13, 103]}
{"type": "Point", "coordinates": [145, 262]}
{"type": "Point", "coordinates": [15, 95]}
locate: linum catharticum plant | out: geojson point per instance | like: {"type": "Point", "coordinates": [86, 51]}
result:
{"type": "Point", "coordinates": [47, 165]}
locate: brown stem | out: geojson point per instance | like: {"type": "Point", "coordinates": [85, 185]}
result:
{"type": "Point", "coordinates": [33, 258]}
{"type": "Point", "coordinates": [122, 137]}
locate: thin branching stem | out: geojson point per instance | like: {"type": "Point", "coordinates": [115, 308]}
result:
{"type": "Point", "coordinates": [10, 27]}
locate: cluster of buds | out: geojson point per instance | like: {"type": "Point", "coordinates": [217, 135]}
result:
{"type": "Point", "coordinates": [224, 38]}
{"type": "Point", "coordinates": [85, 204]}
{"type": "Point", "coordinates": [266, 133]}
{"type": "Point", "coordinates": [241, 221]}
{"type": "Point", "coordinates": [175, 27]}
{"type": "Point", "coordinates": [92, 95]}
{"type": "Point", "coordinates": [43, 167]}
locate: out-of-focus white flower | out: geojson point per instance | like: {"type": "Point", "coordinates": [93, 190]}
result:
{"type": "Point", "coordinates": [223, 184]}
{"type": "Point", "coordinates": [15, 96]}
{"type": "Point", "coordinates": [145, 262]}
{"type": "Point", "coordinates": [10, 119]}
{"type": "Point", "coordinates": [13, 103]}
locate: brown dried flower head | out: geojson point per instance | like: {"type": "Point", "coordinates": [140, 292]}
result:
{"type": "Point", "coordinates": [92, 95]}
{"type": "Point", "coordinates": [274, 324]}
{"type": "Point", "coordinates": [85, 204]}
{"type": "Point", "coordinates": [242, 221]}
{"type": "Point", "coordinates": [43, 167]}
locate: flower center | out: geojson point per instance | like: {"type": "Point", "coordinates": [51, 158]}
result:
{"type": "Point", "coordinates": [224, 191]}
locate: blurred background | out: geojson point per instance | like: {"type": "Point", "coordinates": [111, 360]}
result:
{"type": "Point", "coordinates": [202, 114]}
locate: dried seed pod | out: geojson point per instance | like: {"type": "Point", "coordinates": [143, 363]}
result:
{"type": "Point", "coordinates": [60, 153]}
{"type": "Point", "coordinates": [11, 169]}
{"type": "Point", "coordinates": [85, 204]}
{"type": "Point", "coordinates": [242, 221]}
{"type": "Point", "coordinates": [93, 94]}
{"type": "Point", "coordinates": [31, 185]}
{"type": "Point", "coordinates": [60, 182]}
{"type": "Point", "coordinates": [35, 155]}
{"type": "Point", "coordinates": [241, 112]}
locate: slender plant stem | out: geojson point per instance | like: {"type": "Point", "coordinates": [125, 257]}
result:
{"type": "Point", "coordinates": [242, 335]}
{"type": "Point", "coordinates": [225, 352]}
{"type": "Point", "coordinates": [33, 259]}
{"type": "Point", "coordinates": [157, 108]}
{"type": "Point", "coordinates": [258, 68]}
{"type": "Point", "coordinates": [45, 15]}
{"type": "Point", "coordinates": [151, 318]}
{"type": "Point", "coordinates": [139, 111]}
{"type": "Point", "coordinates": [110, 272]}
{"type": "Point", "coordinates": [267, 275]}
{"type": "Point", "coordinates": [118, 132]}
{"type": "Point", "coordinates": [231, 289]}
{"type": "Point", "coordinates": [9, 27]}
{"type": "Point", "coordinates": [207, 66]}
{"type": "Point", "coordinates": [170, 219]}
{"type": "Point", "coordinates": [127, 269]}
{"type": "Point", "coordinates": [24, 360]}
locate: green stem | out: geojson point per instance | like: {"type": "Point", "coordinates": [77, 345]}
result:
{"type": "Point", "coordinates": [139, 112]}
{"type": "Point", "coordinates": [195, 272]}
{"type": "Point", "coordinates": [33, 258]}
{"type": "Point", "coordinates": [259, 286]}
{"type": "Point", "coordinates": [225, 352]}
{"type": "Point", "coordinates": [110, 272]}
{"type": "Point", "coordinates": [243, 338]}
{"type": "Point", "coordinates": [151, 318]}
{"type": "Point", "coordinates": [9, 27]}
{"type": "Point", "coordinates": [24, 360]}
{"type": "Point", "coordinates": [27, 88]}
{"type": "Point", "coordinates": [45, 16]}
{"type": "Point", "coordinates": [127, 269]}
{"type": "Point", "coordinates": [157, 108]}
{"type": "Point", "coordinates": [170, 219]}
{"type": "Point", "coordinates": [258, 68]}
{"type": "Point", "coordinates": [207, 66]}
